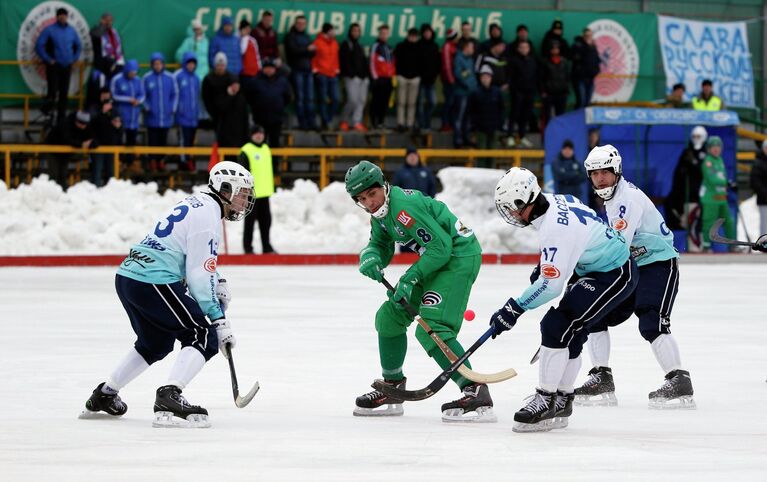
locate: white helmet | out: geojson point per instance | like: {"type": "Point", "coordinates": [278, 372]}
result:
{"type": "Point", "coordinates": [233, 184]}
{"type": "Point", "coordinates": [698, 137]}
{"type": "Point", "coordinates": [516, 190]}
{"type": "Point", "coordinates": [604, 157]}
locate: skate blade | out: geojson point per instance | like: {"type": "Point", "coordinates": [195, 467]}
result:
{"type": "Point", "coordinates": [560, 422]}
{"type": "Point", "coordinates": [602, 400]}
{"type": "Point", "coordinates": [680, 403]}
{"type": "Point", "coordinates": [167, 420]}
{"type": "Point", "coordinates": [481, 415]}
{"type": "Point", "coordinates": [390, 410]}
{"type": "Point", "coordinates": [542, 426]}
{"type": "Point", "coordinates": [91, 415]}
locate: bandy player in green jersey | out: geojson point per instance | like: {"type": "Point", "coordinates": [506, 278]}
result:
{"type": "Point", "coordinates": [439, 284]}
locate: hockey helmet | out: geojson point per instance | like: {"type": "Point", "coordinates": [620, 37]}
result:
{"type": "Point", "coordinates": [516, 190]}
{"type": "Point", "coordinates": [363, 176]}
{"type": "Point", "coordinates": [604, 157]}
{"type": "Point", "coordinates": [233, 185]}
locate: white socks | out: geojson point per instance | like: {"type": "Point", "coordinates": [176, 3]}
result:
{"type": "Point", "coordinates": [129, 368]}
{"type": "Point", "coordinates": [599, 348]}
{"type": "Point", "coordinates": [188, 364]}
{"type": "Point", "coordinates": [567, 384]}
{"type": "Point", "coordinates": [553, 362]}
{"type": "Point", "coordinates": [667, 353]}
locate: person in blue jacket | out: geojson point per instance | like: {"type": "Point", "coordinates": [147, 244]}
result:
{"type": "Point", "coordinates": [569, 174]}
{"type": "Point", "coordinates": [128, 94]}
{"type": "Point", "coordinates": [58, 46]}
{"type": "Point", "coordinates": [160, 106]}
{"type": "Point", "coordinates": [414, 175]}
{"type": "Point", "coordinates": [188, 103]}
{"type": "Point", "coordinates": [227, 42]}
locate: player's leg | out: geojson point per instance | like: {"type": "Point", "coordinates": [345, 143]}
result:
{"type": "Point", "coordinates": [708, 216]}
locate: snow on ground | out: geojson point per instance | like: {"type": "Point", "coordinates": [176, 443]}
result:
{"type": "Point", "coordinates": [306, 333]}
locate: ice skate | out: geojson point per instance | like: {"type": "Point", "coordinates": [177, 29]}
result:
{"type": "Point", "coordinates": [171, 410]}
{"type": "Point", "coordinates": [564, 409]}
{"type": "Point", "coordinates": [676, 392]}
{"type": "Point", "coordinates": [376, 404]}
{"type": "Point", "coordinates": [598, 390]}
{"type": "Point", "coordinates": [475, 406]}
{"type": "Point", "coordinates": [103, 405]}
{"type": "Point", "coordinates": [538, 415]}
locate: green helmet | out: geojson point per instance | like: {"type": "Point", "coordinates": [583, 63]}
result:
{"type": "Point", "coordinates": [363, 176]}
{"type": "Point", "coordinates": [714, 141]}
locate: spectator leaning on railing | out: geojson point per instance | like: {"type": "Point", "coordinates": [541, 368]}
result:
{"type": "Point", "coordinates": [706, 100]}
{"type": "Point", "coordinates": [195, 42]}
{"type": "Point", "coordinates": [355, 73]}
{"type": "Point", "coordinates": [676, 97]}
{"type": "Point", "coordinates": [159, 107]}
{"type": "Point", "coordinates": [188, 111]}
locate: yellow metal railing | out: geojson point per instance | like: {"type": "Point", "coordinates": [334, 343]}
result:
{"type": "Point", "coordinates": [325, 157]}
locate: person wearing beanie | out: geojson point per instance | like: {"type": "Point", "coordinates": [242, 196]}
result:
{"type": "Point", "coordinates": [494, 35]}
{"type": "Point", "coordinates": [713, 192]}
{"type": "Point", "coordinates": [407, 56]}
{"type": "Point", "coordinates": [197, 43]}
{"type": "Point", "coordinates": [129, 95]}
{"type": "Point", "coordinates": [449, 50]}
{"type": "Point", "coordinates": [486, 112]}
{"type": "Point", "coordinates": [429, 64]}
{"type": "Point", "coordinates": [759, 185]}
{"type": "Point", "coordinates": [256, 156]}
{"type": "Point", "coordinates": [228, 43]}
{"type": "Point", "coordinates": [555, 35]}
{"type": "Point", "coordinates": [160, 107]}
{"type": "Point", "coordinates": [569, 174]}
{"type": "Point", "coordinates": [325, 67]}
{"type": "Point", "coordinates": [413, 174]}
{"type": "Point", "coordinates": [226, 104]}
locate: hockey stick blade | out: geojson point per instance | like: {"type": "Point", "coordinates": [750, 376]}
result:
{"type": "Point", "coordinates": [465, 371]}
{"type": "Point", "coordinates": [241, 402]}
{"type": "Point", "coordinates": [436, 384]}
{"type": "Point", "coordinates": [713, 233]}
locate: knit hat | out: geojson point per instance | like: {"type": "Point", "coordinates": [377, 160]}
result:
{"type": "Point", "coordinates": [61, 11]}
{"type": "Point", "coordinates": [226, 21]}
{"type": "Point", "coordinates": [568, 143]}
{"type": "Point", "coordinates": [220, 58]}
{"type": "Point", "coordinates": [714, 141]}
{"type": "Point", "coordinates": [411, 150]}
{"type": "Point", "coordinates": [486, 70]}
{"type": "Point", "coordinates": [451, 34]}
{"type": "Point", "coordinates": [196, 24]}
{"type": "Point", "coordinates": [83, 116]}
{"type": "Point", "coordinates": [267, 62]}
{"type": "Point", "coordinates": [244, 23]}
{"type": "Point", "coordinates": [557, 24]}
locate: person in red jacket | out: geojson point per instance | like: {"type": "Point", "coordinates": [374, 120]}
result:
{"type": "Point", "coordinates": [251, 64]}
{"type": "Point", "coordinates": [381, 72]}
{"type": "Point", "coordinates": [448, 78]}
{"type": "Point", "coordinates": [266, 38]}
{"type": "Point", "coordinates": [325, 68]}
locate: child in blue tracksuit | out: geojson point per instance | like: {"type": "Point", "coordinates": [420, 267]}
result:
{"type": "Point", "coordinates": [128, 94]}
{"type": "Point", "coordinates": [188, 103]}
{"type": "Point", "coordinates": [160, 106]}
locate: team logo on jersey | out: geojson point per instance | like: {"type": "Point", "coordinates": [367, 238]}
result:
{"type": "Point", "coordinates": [404, 218]}
{"type": "Point", "coordinates": [620, 224]}
{"type": "Point", "coordinates": [431, 298]}
{"type": "Point", "coordinates": [549, 271]}
{"type": "Point", "coordinates": [210, 265]}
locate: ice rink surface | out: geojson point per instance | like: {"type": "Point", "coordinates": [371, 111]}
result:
{"type": "Point", "coordinates": [306, 334]}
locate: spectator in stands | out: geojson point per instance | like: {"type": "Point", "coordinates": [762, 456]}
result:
{"type": "Point", "coordinates": [299, 51]}
{"type": "Point", "coordinates": [382, 72]}
{"type": "Point", "coordinates": [188, 111]}
{"type": "Point", "coordinates": [107, 131]}
{"type": "Point", "coordinates": [355, 73]}
{"type": "Point", "coordinates": [228, 43]}
{"type": "Point", "coordinates": [226, 105]}
{"type": "Point", "coordinates": [569, 174]}
{"type": "Point", "coordinates": [555, 36]}
{"type": "Point", "coordinates": [75, 131]}
{"type": "Point", "coordinates": [256, 156]}
{"type": "Point", "coordinates": [325, 68]}
{"type": "Point", "coordinates": [272, 100]}
{"type": "Point", "coordinates": [759, 185]}
{"type": "Point", "coordinates": [128, 94]}
{"type": "Point", "coordinates": [429, 65]}
{"type": "Point", "coordinates": [466, 34]}
{"type": "Point", "coordinates": [251, 64]}
{"type": "Point", "coordinates": [107, 47]}
{"type": "Point", "coordinates": [685, 186]}
{"type": "Point", "coordinates": [449, 50]}
{"type": "Point", "coordinates": [495, 58]}
{"type": "Point", "coordinates": [58, 46]}
{"type": "Point", "coordinates": [414, 175]}
{"type": "Point", "coordinates": [266, 37]}
{"type": "Point", "coordinates": [96, 84]}
{"type": "Point", "coordinates": [523, 35]}
{"type": "Point", "coordinates": [523, 70]}
{"type": "Point", "coordinates": [585, 67]}
{"type": "Point", "coordinates": [486, 106]}
{"type": "Point", "coordinates": [555, 83]}
{"type": "Point", "coordinates": [676, 97]}
{"type": "Point", "coordinates": [159, 107]}
{"type": "Point", "coordinates": [465, 85]}
{"type": "Point", "coordinates": [494, 34]}
{"type": "Point", "coordinates": [713, 192]}
{"type": "Point", "coordinates": [197, 43]}
{"type": "Point", "coordinates": [407, 56]}
{"type": "Point", "coordinates": [706, 100]}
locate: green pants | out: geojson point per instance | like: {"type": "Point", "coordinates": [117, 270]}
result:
{"type": "Point", "coordinates": [710, 212]}
{"type": "Point", "coordinates": [441, 299]}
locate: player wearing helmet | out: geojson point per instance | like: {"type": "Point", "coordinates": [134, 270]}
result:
{"type": "Point", "coordinates": [170, 289]}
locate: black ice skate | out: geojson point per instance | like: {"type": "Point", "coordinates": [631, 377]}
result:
{"type": "Point", "coordinates": [101, 403]}
{"type": "Point", "coordinates": [676, 392]}
{"type": "Point", "coordinates": [172, 410]}
{"type": "Point", "coordinates": [538, 415]}
{"type": "Point", "coordinates": [475, 406]}
{"type": "Point", "coordinates": [564, 409]}
{"type": "Point", "coordinates": [598, 390]}
{"type": "Point", "coordinates": [369, 404]}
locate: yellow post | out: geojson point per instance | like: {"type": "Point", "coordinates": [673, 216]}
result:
{"type": "Point", "coordinates": [8, 168]}
{"type": "Point", "coordinates": [324, 181]}
{"type": "Point", "coordinates": [117, 164]}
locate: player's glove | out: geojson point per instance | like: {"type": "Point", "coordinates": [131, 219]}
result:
{"type": "Point", "coordinates": [223, 294]}
{"type": "Point", "coordinates": [371, 266]}
{"type": "Point", "coordinates": [535, 274]}
{"type": "Point", "coordinates": [760, 244]}
{"type": "Point", "coordinates": [505, 318]}
{"type": "Point", "coordinates": [225, 336]}
{"type": "Point", "coordinates": [404, 289]}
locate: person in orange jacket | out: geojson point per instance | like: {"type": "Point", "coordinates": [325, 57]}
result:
{"type": "Point", "coordinates": [325, 68]}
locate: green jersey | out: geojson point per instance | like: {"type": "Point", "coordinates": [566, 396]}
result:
{"type": "Point", "coordinates": [426, 226]}
{"type": "Point", "coordinates": [714, 186]}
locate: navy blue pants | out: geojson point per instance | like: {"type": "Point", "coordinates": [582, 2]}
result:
{"type": "Point", "coordinates": [652, 301]}
{"type": "Point", "coordinates": [162, 314]}
{"type": "Point", "coordinates": [586, 301]}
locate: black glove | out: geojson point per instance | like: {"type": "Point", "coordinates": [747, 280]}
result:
{"type": "Point", "coordinates": [505, 318]}
{"type": "Point", "coordinates": [535, 274]}
{"type": "Point", "coordinates": [760, 244]}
